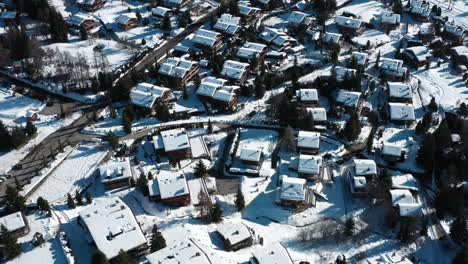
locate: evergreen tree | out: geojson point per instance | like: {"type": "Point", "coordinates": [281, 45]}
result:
{"type": "Point", "coordinates": [113, 140]}
{"type": "Point", "coordinates": [10, 244]}
{"type": "Point", "coordinates": [157, 240]}
{"type": "Point", "coordinates": [5, 138]}
{"type": "Point", "coordinates": [397, 7]}
{"type": "Point", "coordinates": [295, 75]}
{"type": "Point", "coordinates": [433, 105]}
{"type": "Point", "coordinates": [209, 127]}
{"type": "Point", "coordinates": [143, 42]}
{"type": "Point", "coordinates": [142, 184]}
{"type": "Point", "coordinates": [99, 258]}
{"type": "Point", "coordinates": [443, 136]}
{"type": "Point", "coordinates": [234, 8]}
{"type": "Point", "coordinates": [166, 23]}
{"type": "Point", "coordinates": [349, 227]}
{"type": "Point", "coordinates": [259, 87]}
{"type": "Point", "coordinates": [240, 202]}
{"type": "Point", "coordinates": [58, 27]}
{"type": "Point", "coordinates": [83, 33]}
{"type": "Point", "coordinates": [150, 176]}
{"type": "Point", "coordinates": [288, 138]}
{"type": "Point", "coordinates": [89, 200]}
{"type": "Point", "coordinates": [200, 170]}
{"type": "Point", "coordinates": [70, 202]}
{"type": "Point", "coordinates": [78, 198]}
{"type": "Point", "coordinates": [426, 152]}
{"type": "Point", "coordinates": [216, 213]}
{"type": "Point", "coordinates": [185, 93]}
{"type": "Point", "coordinates": [162, 112]}
{"type": "Point", "coordinates": [44, 206]}
{"type": "Point", "coordinates": [30, 128]}
{"type": "Point", "coordinates": [18, 136]}
{"type": "Point", "coordinates": [123, 258]}
{"type": "Point", "coordinates": [14, 201]}
{"type": "Point", "coordinates": [127, 124]}
{"type": "Point", "coordinates": [458, 229]}
{"type": "Point", "coordinates": [462, 256]}
{"type": "Point", "coordinates": [352, 128]}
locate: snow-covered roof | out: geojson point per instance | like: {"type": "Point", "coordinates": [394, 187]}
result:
{"type": "Point", "coordinates": [224, 95]}
{"type": "Point", "coordinates": [216, 89]}
{"type": "Point", "coordinates": [331, 37]}
{"type": "Point", "coordinates": [176, 67]}
{"type": "Point", "coordinates": [308, 139]}
{"type": "Point", "coordinates": [402, 112]}
{"type": "Point", "coordinates": [77, 19]}
{"type": "Point", "coordinates": [348, 98]}
{"type": "Point", "coordinates": [146, 94]}
{"type": "Point", "coordinates": [228, 23]}
{"type": "Point", "coordinates": [399, 90]}
{"type": "Point", "coordinates": [115, 169]}
{"type": "Point", "coordinates": [234, 69]}
{"type": "Point", "coordinates": [364, 167]}
{"type": "Point", "coordinates": [359, 182]}
{"type": "Point", "coordinates": [360, 57]}
{"type": "Point", "coordinates": [420, 8]}
{"type": "Point", "coordinates": [318, 113]}
{"type": "Point", "coordinates": [343, 72]}
{"type": "Point", "coordinates": [250, 154]}
{"type": "Point", "coordinates": [393, 67]}
{"type": "Point", "coordinates": [8, 15]}
{"type": "Point", "coordinates": [179, 252]}
{"type": "Point", "coordinates": [390, 18]}
{"type": "Point", "coordinates": [250, 50]}
{"type": "Point", "coordinates": [168, 185]}
{"type": "Point", "coordinates": [206, 37]}
{"type": "Point", "coordinates": [246, 10]}
{"type": "Point", "coordinates": [175, 139]}
{"type": "Point", "coordinates": [275, 36]}
{"type": "Point", "coordinates": [461, 51]}
{"type": "Point", "coordinates": [309, 164]}
{"type": "Point", "coordinates": [125, 18]}
{"type": "Point", "coordinates": [112, 226]}
{"type": "Point", "coordinates": [160, 11]}
{"type": "Point", "coordinates": [454, 29]}
{"type": "Point", "coordinates": [13, 221]}
{"type": "Point", "coordinates": [391, 149]}
{"type": "Point", "coordinates": [307, 95]}
{"type": "Point", "coordinates": [410, 209]}
{"type": "Point", "coordinates": [234, 232]}
{"type": "Point", "coordinates": [348, 22]}
{"type": "Point", "coordinates": [404, 181]}
{"type": "Point", "coordinates": [297, 17]}
{"type": "Point", "coordinates": [293, 189]}
{"type": "Point", "coordinates": [426, 28]}
{"type": "Point", "coordinates": [419, 52]}
{"type": "Point", "coordinates": [401, 196]}
{"type": "Point", "coordinates": [271, 254]}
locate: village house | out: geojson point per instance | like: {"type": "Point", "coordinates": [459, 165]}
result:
{"type": "Point", "coordinates": [263, 4]}
{"type": "Point", "coordinates": [228, 24]}
{"type": "Point", "coordinates": [420, 10]}
{"type": "Point", "coordinates": [319, 115]}
{"type": "Point", "coordinates": [253, 53]}
{"type": "Point", "coordinates": [272, 253]}
{"type": "Point", "coordinates": [174, 143]}
{"type": "Point", "coordinates": [207, 39]}
{"type": "Point", "coordinates": [359, 187]}
{"type": "Point", "coordinates": [147, 96]}
{"type": "Point", "coordinates": [393, 69]}
{"type": "Point", "coordinates": [175, 3]}
{"type": "Point", "coordinates": [332, 38]}
{"type": "Point", "coordinates": [235, 71]}
{"type": "Point", "coordinates": [278, 40]}
{"type": "Point", "coordinates": [363, 171]}
{"type": "Point", "coordinates": [81, 20]}
{"type": "Point", "coordinates": [179, 252]}
{"type": "Point", "coordinates": [349, 26]}
{"type": "Point", "coordinates": [453, 33]}
{"type": "Point", "coordinates": [294, 191]}
{"type": "Point", "coordinates": [343, 73]}
{"type": "Point", "coordinates": [365, 167]}
{"type": "Point", "coordinates": [112, 227]}
{"type": "Point", "coordinates": [405, 182]}
{"type": "Point", "coordinates": [361, 59]}
{"type": "Point", "coordinates": [90, 5]}
{"type": "Point", "coordinates": [399, 92]}
{"type": "Point", "coordinates": [297, 19]}
{"type": "Point", "coordinates": [180, 69]}
{"type": "Point", "coordinates": [308, 142]}
{"type": "Point", "coordinates": [235, 236]}
{"type": "Point", "coordinates": [426, 33]}
{"type": "Point", "coordinates": [161, 11]}
{"type": "Point", "coordinates": [391, 152]}
{"type": "Point", "coordinates": [247, 12]}
{"type": "Point", "coordinates": [405, 204]}
{"type": "Point", "coordinates": [308, 97]}
{"type": "Point", "coordinates": [251, 156]}
{"type": "Point", "coordinates": [8, 16]}
{"type": "Point", "coordinates": [309, 167]}
{"type": "Point", "coordinates": [401, 113]}
{"type": "Point", "coordinates": [417, 56]}
{"type": "Point", "coordinates": [127, 21]}
{"type": "Point", "coordinates": [348, 99]}
{"type": "Point", "coordinates": [16, 224]}
{"type": "Point", "coordinates": [389, 20]}
{"type": "Point", "coordinates": [116, 173]}
{"type": "Point", "coordinates": [460, 55]}
{"type": "Point", "coordinates": [216, 92]}
{"type": "Point", "coordinates": [169, 188]}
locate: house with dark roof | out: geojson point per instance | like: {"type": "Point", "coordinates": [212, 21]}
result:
{"type": "Point", "coordinates": [349, 26]}
{"type": "Point", "coordinates": [417, 56]}
{"type": "Point", "coordinates": [216, 92]}
{"type": "Point", "coordinates": [91, 5]}
{"type": "Point", "coordinates": [179, 68]}
{"type": "Point", "coordinates": [453, 33]}
{"type": "Point", "coordinates": [127, 21]}
{"type": "Point", "coordinates": [308, 97]}
{"type": "Point", "coordinates": [389, 20]}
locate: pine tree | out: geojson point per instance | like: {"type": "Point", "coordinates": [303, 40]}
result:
{"type": "Point", "coordinates": [30, 128]}
{"type": "Point", "coordinates": [209, 127]}
{"type": "Point", "coordinates": [216, 213]}
{"type": "Point", "coordinates": [377, 60]}
{"type": "Point", "coordinates": [259, 87]}
{"type": "Point", "coordinates": [162, 112]}
{"type": "Point", "coordinates": [397, 7]}
{"type": "Point", "coordinates": [43, 205]}
{"type": "Point", "coordinates": [10, 244]}
{"type": "Point", "coordinates": [234, 8]}
{"type": "Point", "coordinates": [458, 229]}
{"type": "Point", "coordinates": [166, 23]}
{"type": "Point", "coordinates": [150, 176]}
{"type": "Point", "coordinates": [433, 105]}
{"type": "Point", "coordinates": [113, 140]}
{"type": "Point", "coordinates": [123, 258]}
{"type": "Point", "coordinates": [99, 258]}
{"type": "Point", "coordinates": [352, 128]}
{"type": "Point", "coordinates": [185, 93]}
{"type": "Point", "coordinates": [5, 138]}
{"type": "Point", "coordinates": [143, 42]}
{"type": "Point", "coordinates": [462, 256]}
{"type": "Point", "coordinates": [78, 198]}
{"type": "Point", "coordinates": [157, 240]}
{"type": "Point", "coordinates": [83, 33]}
{"type": "Point", "coordinates": [240, 202]}
{"type": "Point", "coordinates": [89, 200]}
{"type": "Point", "coordinates": [18, 136]}
{"type": "Point", "coordinates": [127, 124]}
{"type": "Point", "coordinates": [14, 201]}
{"type": "Point", "coordinates": [349, 227]}
{"type": "Point", "coordinates": [426, 152]}
{"type": "Point", "coordinates": [288, 138]}
{"type": "Point", "coordinates": [443, 135]}
{"type": "Point", "coordinates": [70, 202]}
{"type": "Point", "coordinates": [142, 184]}
{"type": "Point", "coordinates": [295, 75]}
{"type": "Point", "coordinates": [200, 170]}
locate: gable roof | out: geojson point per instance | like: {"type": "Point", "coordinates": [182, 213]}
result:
{"type": "Point", "coordinates": [168, 185]}
{"type": "Point", "coordinates": [234, 232]}
{"type": "Point", "coordinates": [234, 69]}
{"type": "Point", "coordinates": [318, 113]}
{"type": "Point", "coordinates": [228, 23]}
{"type": "Point", "coordinates": [307, 95]}
{"type": "Point", "coordinates": [175, 139]}
{"type": "Point", "coordinates": [115, 169]}
{"type": "Point", "coordinates": [179, 252]}
{"type": "Point", "coordinates": [250, 50]}
{"type": "Point", "coordinates": [293, 189]}
{"type": "Point", "coordinates": [348, 22]}
{"type": "Point", "coordinates": [307, 139]}
{"type": "Point", "coordinates": [249, 154]}
{"type": "Point", "coordinates": [348, 98]}
{"type": "Point", "coordinates": [402, 112]}
{"type": "Point", "coordinates": [145, 94]}
{"type": "Point", "coordinates": [399, 90]}
{"type": "Point", "coordinates": [272, 254]}
{"type": "Point", "coordinates": [391, 149]}
{"type": "Point", "coordinates": [364, 167]}
{"type": "Point", "coordinates": [13, 221]}
{"type": "Point", "coordinates": [309, 164]}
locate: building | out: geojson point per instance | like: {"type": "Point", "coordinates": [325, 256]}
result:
{"type": "Point", "coordinates": [184, 251]}
{"type": "Point", "coordinates": [358, 186]}
{"type": "Point", "coordinates": [365, 168]}
{"type": "Point", "coordinates": [16, 224]}
{"type": "Point", "coordinates": [175, 143]}
{"type": "Point", "coordinates": [235, 71]}
{"type": "Point", "coordinates": [309, 167]}
{"type": "Point", "coordinates": [228, 24]}
{"type": "Point", "coordinates": [278, 40]}
{"type": "Point", "coordinates": [127, 21]}
{"type": "Point", "coordinates": [207, 39]}
{"type": "Point", "coordinates": [308, 142]}
{"type": "Point", "coordinates": [147, 96]}
{"type": "Point", "coordinates": [271, 254]}
{"type": "Point", "coordinates": [169, 188]}
{"type": "Point", "coordinates": [389, 20]}
{"type": "Point", "coordinates": [402, 113]}
{"type": "Point", "coordinates": [175, 3]}
{"type": "Point", "coordinates": [363, 171]}
{"type": "Point", "coordinates": [235, 236]}
{"type": "Point", "coordinates": [252, 52]}
{"type": "Point", "coordinates": [319, 115]}
{"type": "Point", "coordinates": [8, 16]}
{"type": "Point", "coordinates": [343, 73]}
{"type": "Point", "coordinates": [90, 5]}
{"type": "Point", "coordinates": [417, 56]}
{"type": "Point", "coordinates": [248, 12]}
{"type": "Point", "coordinates": [161, 11]}
{"type": "Point", "coordinates": [297, 19]}
{"type": "Point", "coordinates": [294, 191]}
{"type": "Point", "coordinates": [81, 20]}
{"type": "Point", "coordinates": [399, 92]}
{"type": "Point", "coordinates": [116, 173]}
{"type": "Point", "coordinates": [348, 99]}
{"type": "Point", "coordinates": [393, 69]}
{"type": "Point", "coordinates": [251, 156]}
{"type": "Point", "coordinates": [405, 182]}
{"type": "Point", "coordinates": [453, 33]}
{"type": "Point", "coordinates": [420, 10]}
{"type": "Point", "coordinates": [405, 204]}
{"type": "Point", "coordinates": [180, 69]}
{"type": "Point", "coordinates": [113, 227]}
{"type": "Point", "coordinates": [332, 38]}
{"type": "Point", "coordinates": [391, 152]}
{"type": "Point", "coordinates": [426, 33]}
{"type": "Point", "coordinates": [460, 55]}
{"type": "Point", "coordinates": [349, 26]}
{"type": "Point", "coordinates": [215, 91]}
{"type": "Point", "coordinates": [308, 97]}
{"type": "Point", "coordinates": [361, 59]}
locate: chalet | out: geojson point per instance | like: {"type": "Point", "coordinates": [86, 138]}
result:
{"type": "Point", "coordinates": [319, 115]}
{"type": "Point", "coordinates": [112, 227]}
{"type": "Point", "coordinates": [332, 38]}
{"type": "Point", "coordinates": [81, 20]}
{"type": "Point", "coordinates": [116, 173]}
{"type": "Point", "coordinates": [235, 71]}
{"type": "Point", "coordinates": [169, 188]}
{"type": "Point", "coordinates": [365, 167]}
{"type": "Point", "coordinates": [228, 24]}
{"type": "Point", "coordinates": [348, 99]}
{"type": "Point", "coordinates": [16, 224]}
{"type": "Point", "coordinates": [399, 92]}
{"type": "Point", "coordinates": [147, 96]}
{"type": "Point", "coordinates": [271, 254]}
{"type": "Point", "coordinates": [252, 52]}
{"type": "Point", "coordinates": [426, 33]}
{"type": "Point", "coordinates": [349, 26]}
{"type": "Point", "coordinates": [405, 204]}
{"type": "Point", "coordinates": [308, 97]}
{"type": "Point", "coordinates": [161, 11]}
{"type": "Point", "coordinates": [8, 16]}
{"type": "Point", "coordinates": [309, 166]}
{"type": "Point", "coordinates": [216, 92]}
{"type": "Point", "coordinates": [207, 39]}
{"type": "Point", "coordinates": [175, 3]}
{"type": "Point", "coordinates": [297, 19]}
{"type": "Point", "coordinates": [389, 20]}
{"type": "Point", "coordinates": [361, 59]}
{"type": "Point", "coordinates": [453, 33]}
{"type": "Point", "coordinates": [247, 12]}
{"type": "Point", "coordinates": [404, 182]}
{"type": "Point", "coordinates": [127, 21]}
{"type": "Point", "coordinates": [460, 55]}
{"type": "Point", "coordinates": [358, 186]}
{"type": "Point", "coordinates": [90, 5]}
{"type": "Point", "coordinates": [277, 39]}
{"type": "Point", "coordinates": [31, 115]}
{"type": "Point", "coordinates": [251, 156]}
{"type": "Point", "coordinates": [401, 113]}
{"type": "Point", "coordinates": [417, 56]}
{"type": "Point", "coordinates": [235, 236]}
{"type": "Point", "coordinates": [294, 191]}
{"type": "Point", "coordinates": [391, 152]}
{"type": "Point", "coordinates": [420, 10]}
{"type": "Point", "coordinates": [343, 73]}
{"type": "Point", "coordinates": [184, 251]}
{"type": "Point", "coordinates": [175, 143]}
{"type": "Point", "coordinates": [178, 68]}
{"type": "Point", "coordinates": [308, 142]}
{"type": "Point", "coordinates": [393, 69]}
